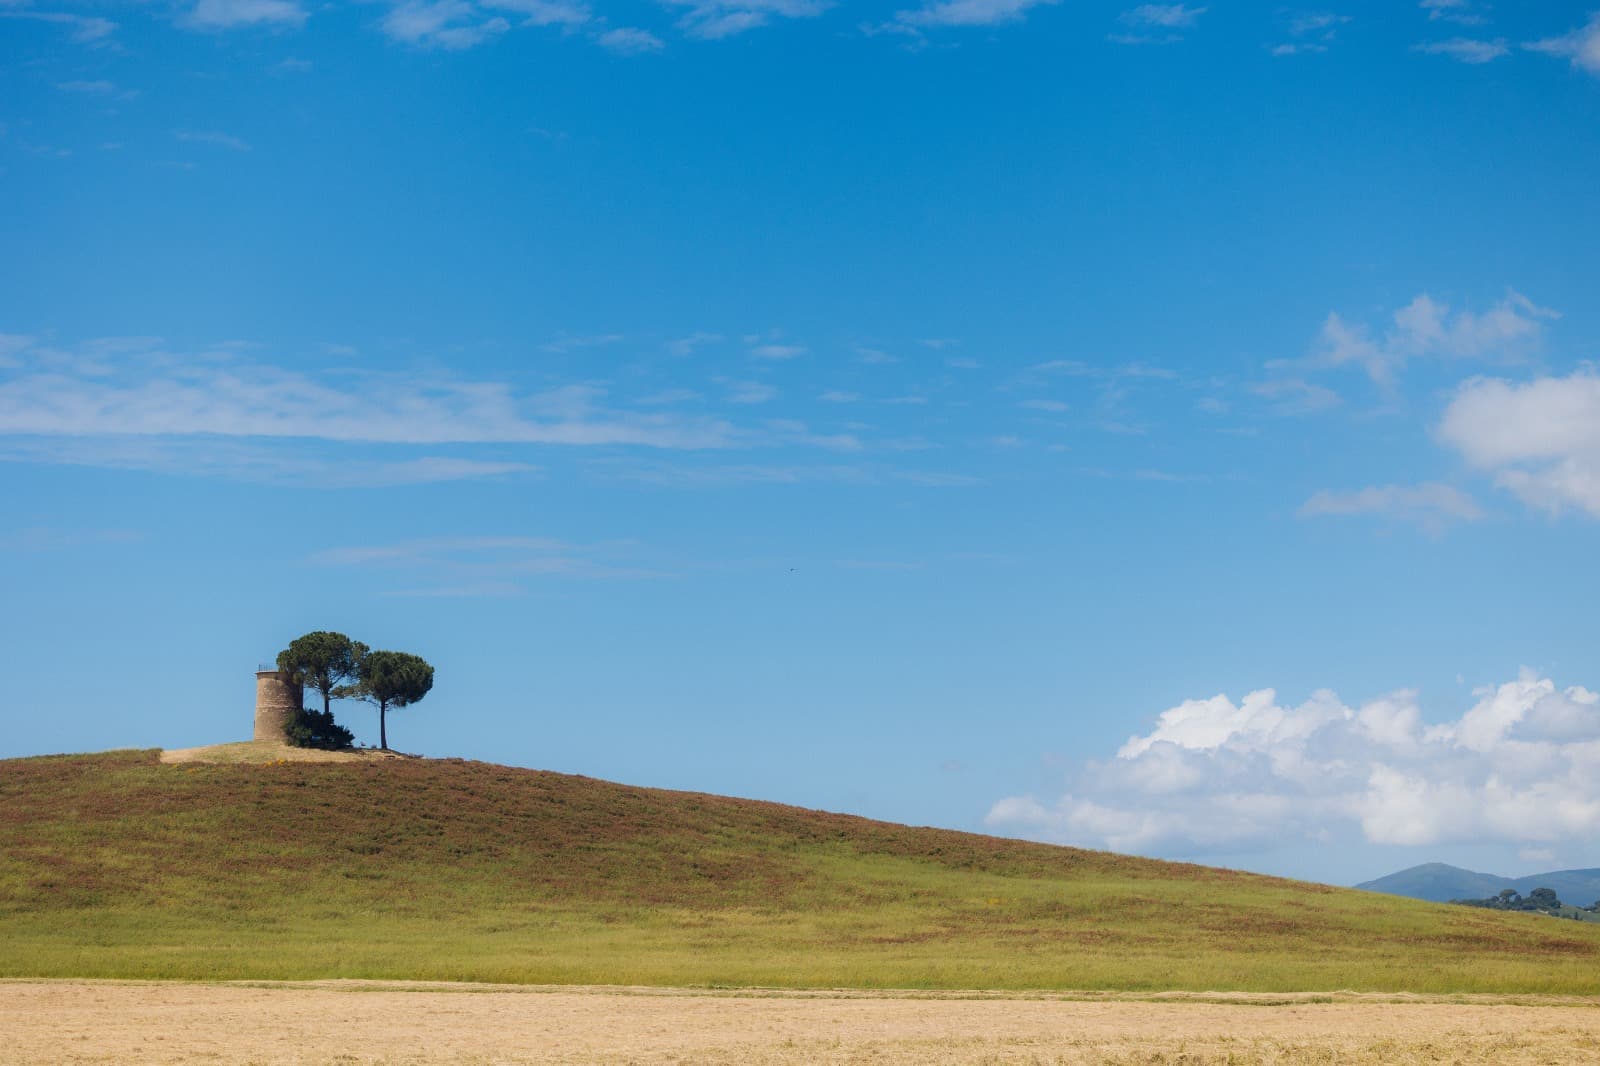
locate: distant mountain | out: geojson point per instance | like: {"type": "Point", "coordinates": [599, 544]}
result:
{"type": "Point", "coordinates": [1441, 883]}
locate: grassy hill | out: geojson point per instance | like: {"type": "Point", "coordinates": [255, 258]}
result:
{"type": "Point", "coordinates": [116, 865]}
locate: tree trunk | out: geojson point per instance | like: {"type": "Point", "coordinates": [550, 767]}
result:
{"type": "Point", "coordinates": [383, 726]}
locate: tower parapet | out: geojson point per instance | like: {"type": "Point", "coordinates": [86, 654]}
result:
{"type": "Point", "coordinates": [278, 698]}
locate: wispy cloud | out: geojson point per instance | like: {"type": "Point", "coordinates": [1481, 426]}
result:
{"type": "Point", "coordinates": [1430, 506]}
{"type": "Point", "coordinates": [676, 475]}
{"type": "Point", "coordinates": [1465, 49]}
{"type": "Point", "coordinates": [1157, 23]}
{"type": "Point", "coordinates": [958, 13]}
{"type": "Point", "coordinates": [1462, 12]}
{"type": "Point", "coordinates": [630, 41]}
{"type": "Point", "coordinates": [1296, 396]}
{"type": "Point", "coordinates": [748, 392]}
{"type": "Point", "coordinates": [96, 87]}
{"type": "Point", "coordinates": [713, 19]}
{"type": "Point", "coordinates": [79, 394]}
{"type": "Point", "coordinates": [221, 140]}
{"type": "Point", "coordinates": [236, 14]}
{"type": "Point", "coordinates": [1581, 46]}
{"type": "Point", "coordinates": [778, 352]}
{"type": "Point", "coordinates": [683, 347]}
{"type": "Point", "coordinates": [1312, 31]}
{"type": "Point", "coordinates": [1428, 328]}
{"type": "Point", "coordinates": [562, 13]}
{"type": "Point", "coordinates": [254, 462]}
{"type": "Point", "coordinates": [487, 565]}
{"type": "Point", "coordinates": [46, 539]}
{"type": "Point", "coordinates": [567, 342]}
{"type": "Point", "coordinates": [88, 30]}
{"type": "Point", "coordinates": [452, 25]}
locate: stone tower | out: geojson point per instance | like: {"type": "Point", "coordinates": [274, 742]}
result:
{"type": "Point", "coordinates": [277, 700]}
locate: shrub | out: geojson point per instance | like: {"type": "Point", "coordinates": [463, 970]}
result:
{"type": "Point", "coordinates": [317, 729]}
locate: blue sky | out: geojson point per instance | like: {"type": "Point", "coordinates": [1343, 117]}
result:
{"type": "Point", "coordinates": [1171, 428]}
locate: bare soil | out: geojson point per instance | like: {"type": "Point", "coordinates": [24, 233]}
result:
{"type": "Point", "coordinates": [266, 751]}
{"type": "Point", "coordinates": [390, 1024]}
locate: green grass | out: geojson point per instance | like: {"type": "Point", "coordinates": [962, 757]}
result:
{"type": "Point", "coordinates": [115, 865]}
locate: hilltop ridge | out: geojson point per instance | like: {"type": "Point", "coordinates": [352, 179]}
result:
{"type": "Point", "coordinates": [119, 865]}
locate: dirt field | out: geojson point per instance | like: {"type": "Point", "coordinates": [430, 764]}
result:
{"type": "Point", "coordinates": [347, 1022]}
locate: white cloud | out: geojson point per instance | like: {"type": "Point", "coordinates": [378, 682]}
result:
{"type": "Point", "coordinates": [1427, 328]}
{"type": "Point", "coordinates": [1540, 439]}
{"type": "Point", "coordinates": [233, 14]}
{"type": "Point", "coordinates": [453, 25]}
{"type": "Point", "coordinates": [1465, 49]}
{"type": "Point", "coordinates": [629, 41]}
{"type": "Point", "coordinates": [1519, 766]}
{"type": "Point", "coordinates": [1430, 505]}
{"type": "Point", "coordinates": [1581, 46]}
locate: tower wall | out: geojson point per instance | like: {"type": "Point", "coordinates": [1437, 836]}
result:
{"type": "Point", "coordinates": [277, 700]}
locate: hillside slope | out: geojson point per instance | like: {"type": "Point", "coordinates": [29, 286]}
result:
{"type": "Point", "coordinates": [116, 865]}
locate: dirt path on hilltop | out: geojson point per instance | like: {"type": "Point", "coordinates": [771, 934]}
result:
{"type": "Point", "coordinates": [366, 1023]}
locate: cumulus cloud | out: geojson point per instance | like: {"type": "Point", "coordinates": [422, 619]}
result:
{"type": "Point", "coordinates": [1539, 439]}
{"type": "Point", "coordinates": [1428, 328]}
{"type": "Point", "coordinates": [1518, 766]}
{"type": "Point", "coordinates": [1431, 506]}
{"type": "Point", "coordinates": [1581, 46]}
